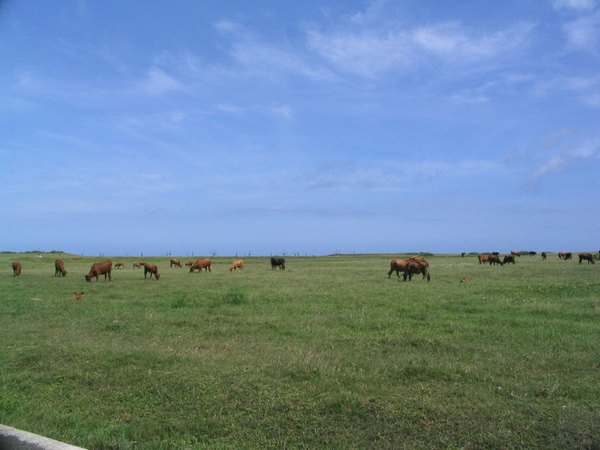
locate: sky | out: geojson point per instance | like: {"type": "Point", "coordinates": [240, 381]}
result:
{"type": "Point", "coordinates": [316, 127]}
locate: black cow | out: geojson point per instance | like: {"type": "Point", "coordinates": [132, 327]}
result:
{"type": "Point", "coordinates": [278, 262]}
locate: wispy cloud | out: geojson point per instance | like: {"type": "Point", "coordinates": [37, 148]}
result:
{"type": "Point", "coordinates": [158, 82]}
{"type": "Point", "coordinates": [559, 162]}
{"type": "Point", "coordinates": [372, 51]}
{"type": "Point", "coordinates": [579, 5]}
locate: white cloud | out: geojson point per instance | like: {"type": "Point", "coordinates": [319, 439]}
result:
{"type": "Point", "coordinates": [583, 32]}
{"type": "Point", "coordinates": [373, 51]}
{"type": "Point", "coordinates": [579, 5]}
{"type": "Point", "coordinates": [158, 82]}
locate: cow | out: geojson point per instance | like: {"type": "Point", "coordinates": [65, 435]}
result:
{"type": "Point", "coordinates": [515, 253]}
{"type": "Point", "coordinates": [16, 267]}
{"type": "Point", "coordinates": [397, 265]}
{"type": "Point", "coordinates": [509, 259]}
{"type": "Point", "coordinates": [119, 265]}
{"type": "Point", "coordinates": [101, 268]}
{"type": "Point", "coordinates": [77, 296]}
{"type": "Point", "coordinates": [59, 268]}
{"type": "Point", "coordinates": [586, 257]}
{"type": "Point", "coordinates": [483, 258]}
{"type": "Point", "coordinates": [174, 262]}
{"type": "Point", "coordinates": [413, 267]}
{"type": "Point", "coordinates": [137, 265]}
{"type": "Point", "coordinates": [532, 253]}
{"type": "Point", "coordinates": [495, 259]}
{"type": "Point", "coordinates": [203, 263]}
{"type": "Point", "coordinates": [544, 255]}
{"type": "Point", "coordinates": [464, 280]}
{"type": "Point", "coordinates": [152, 270]}
{"type": "Point", "coordinates": [417, 258]}
{"type": "Point", "coordinates": [278, 263]}
{"type": "Point", "coordinates": [189, 263]}
{"type": "Point", "coordinates": [565, 255]}
{"type": "Point", "coordinates": [239, 264]}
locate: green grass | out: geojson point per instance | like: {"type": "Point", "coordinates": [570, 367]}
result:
{"type": "Point", "coordinates": [329, 353]}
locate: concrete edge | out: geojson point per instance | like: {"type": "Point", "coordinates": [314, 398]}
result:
{"type": "Point", "coordinates": [13, 439]}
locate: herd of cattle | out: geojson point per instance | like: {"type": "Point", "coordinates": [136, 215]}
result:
{"type": "Point", "coordinates": [105, 267]}
{"type": "Point", "coordinates": [409, 267]}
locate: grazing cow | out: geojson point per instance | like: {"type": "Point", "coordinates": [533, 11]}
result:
{"type": "Point", "coordinates": [509, 259]}
{"type": "Point", "coordinates": [152, 270]}
{"type": "Point", "coordinates": [119, 265]}
{"type": "Point", "coordinates": [565, 255]}
{"type": "Point", "coordinates": [278, 262]}
{"type": "Point", "coordinates": [515, 253]}
{"type": "Point", "coordinates": [16, 267]}
{"type": "Point", "coordinates": [77, 296]}
{"type": "Point", "coordinates": [495, 259]}
{"type": "Point", "coordinates": [397, 265]}
{"type": "Point", "coordinates": [59, 268]}
{"type": "Point", "coordinates": [137, 265]}
{"type": "Point", "coordinates": [413, 267]}
{"type": "Point", "coordinates": [189, 263]}
{"type": "Point", "coordinates": [586, 257]}
{"type": "Point", "coordinates": [483, 258]}
{"type": "Point", "coordinates": [101, 268]}
{"type": "Point", "coordinates": [203, 263]}
{"type": "Point", "coordinates": [544, 256]}
{"type": "Point", "coordinates": [239, 264]}
{"type": "Point", "coordinates": [174, 262]}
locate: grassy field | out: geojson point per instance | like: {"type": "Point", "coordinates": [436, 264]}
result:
{"type": "Point", "coordinates": [329, 353]}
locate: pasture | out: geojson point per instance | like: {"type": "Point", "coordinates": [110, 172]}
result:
{"type": "Point", "coordinates": [329, 353]}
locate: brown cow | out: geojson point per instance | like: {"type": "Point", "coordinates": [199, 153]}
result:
{"type": "Point", "coordinates": [509, 259]}
{"type": "Point", "coordinates": [515, 253]}
{"type": "Point", "coordinates": [189, 264]}
{"type": "Point", "coordinates": [398, 266]}
{"type": "Point", "coordinates": [101, 268]}
{"type": "Point", "coordinates": [137, 265]}
{"type": "Point", "coordinates": [152, 270]}
{"type": "Point", "coordinates": [119, 265]}
{"type": "Point", "coordinates": [59, 268]}
{"type": "Point", "coordinates": [16, 267]}
{"type": "Point", "coordinates": [175, 262]}
{"type": "Point", "coordinates": [77, 296]}
{"type": "Point", "coordinates": [586, 257]}
{"type": "Point", "coordinates": [239, 264]}
{"type": "Point", "coordinates": [203, 263]}
{"type": "Point", "coordinates": [413, 267]}
{"type": "Point", "coordinates": [483, 258]}
{"type": "Point", "coordinates": [565, 255]}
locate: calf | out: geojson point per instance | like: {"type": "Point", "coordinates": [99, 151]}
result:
{"type": "Point", "coordinates": [278, 262]}
{"type": "Point", "coordinates": [16, 267]}
{"type": "Point", "coordinates": [239, 264]}
{"type": "Point", "coordinates": [101, 268]}
{"type": "Point", "coordinates": [152, 270]}
{"type": "Point", "coordinates": [174, 262]}
{"type": "Point", "coordinates": [119, 265]}
{"type": "Point", "coordinates": [77, 296]}
{"type": "Point", "coordinates": [59, 268]}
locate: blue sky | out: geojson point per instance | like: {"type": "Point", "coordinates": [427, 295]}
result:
{"type": "Point", "coordinates": [309, 127]}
